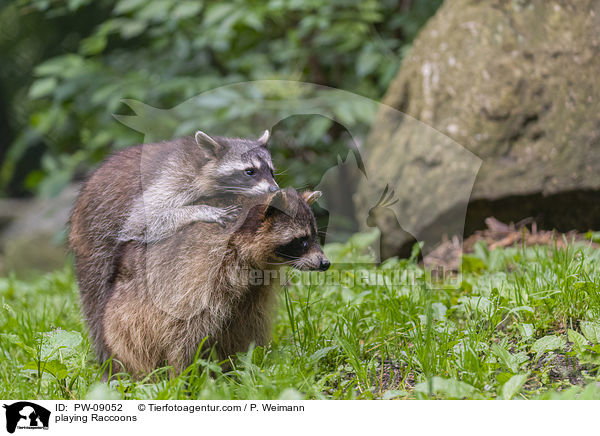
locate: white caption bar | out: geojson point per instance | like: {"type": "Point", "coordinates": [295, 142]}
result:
{"type": "Point", "coordinates": [294, 417]}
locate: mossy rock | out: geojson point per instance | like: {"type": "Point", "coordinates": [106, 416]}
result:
{"type": "Point", "coordinates": [517, 84]}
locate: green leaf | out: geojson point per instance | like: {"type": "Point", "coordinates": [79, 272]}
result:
{"type": "Point", "coordinates": [320, 353]}
{"type": "Point", "coordinates": [61, 66]}
{"type": "Point", "coordinates": [447, 387]}
{"type": "Point", "coordinates": [93, 45]}
{"type": "Point", "coordinates": [548, 343]}
{"type": "Point", "coordinates": [42, 87]}
{"type": "Point", "coordinates": [217, 12]}
{"type": "Point", "coordinates": [253, 21]}
{"type": "Point", "coordinates": [16, 340]}
{"type": "Point", "coordinates": [508, 359]}
{"type": "Point", "coordinates": [503, 377]}
{"type": "Point", "coordinates": [526, 330]}
{"type": "Point", "coordinates": [57, 369]}
{"type": "Point", "coordinates": [11, 337]}
{"type": "Point", "coordinates": [54, 367]}
{"type": "Point", "coordinates": [389, 395]}
{"type": "Point", "coordinates": [579, 342]}
{"type": "Point", "coordinates": [513, 386]}
{"type": "Point", "coordinates": [591, 330]}
{"type": "Point", "coordinates": [155, 10]}
{"type": "Point", "coordinates": [132, 28]}
{"type": "Point", "coordinates": [367, 61]}
{"type": "Point", "coordinates": [186, 9]}
{"type": "Point", "coordinates": [62, 340]}
{"type": "Point", "coordinates": [76, 4]}
{"type": "Point", "coordinates": [125, 6]}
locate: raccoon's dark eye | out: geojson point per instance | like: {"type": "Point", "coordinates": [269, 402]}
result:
{"type": "Point", "coordinates": [294, 249]}
{"type": "Point", "coordinates": [250, 171]}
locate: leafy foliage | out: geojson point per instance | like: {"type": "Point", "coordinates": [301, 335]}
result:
{"type": "Point", "coordinates": [163, 52]}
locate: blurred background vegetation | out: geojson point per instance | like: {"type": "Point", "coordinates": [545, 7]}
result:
{"type": "Point", "coordinates": [68, 64]}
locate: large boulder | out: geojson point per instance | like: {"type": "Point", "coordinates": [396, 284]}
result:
{"type": "Point", "coordinates": [518, 84]}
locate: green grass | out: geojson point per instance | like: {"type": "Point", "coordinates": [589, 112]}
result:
{"type": "Point", "coordinates": [520, 323]}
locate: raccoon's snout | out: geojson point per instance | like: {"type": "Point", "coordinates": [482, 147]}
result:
{"type": "Point", "coordinates": [320, 264]}
{"type": "Point", "coordinates": [268, 186]}
{"type": "Point", "coordinates": [324, 264]}
{"type": "Point", "coordinates": [313, 263]}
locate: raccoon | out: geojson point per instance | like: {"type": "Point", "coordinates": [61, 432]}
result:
{"type": "Point", "coordinates": [170, 197]}
{"type": "Point", "coordinates": [168, 297]}
{"type": "Point", "coordinates": [148, 193]}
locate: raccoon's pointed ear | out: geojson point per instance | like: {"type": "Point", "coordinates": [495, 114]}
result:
{"type": "Point", "coordinates": [259, 213]}
{"type": "Point", "coordinates": [311, 196]}
{"type": "Point", "coordinates": [264, 138]}
{"type": "Point", "coordinates": [278, 203]}
{"type": "Point", "coordinates": [206, 142]}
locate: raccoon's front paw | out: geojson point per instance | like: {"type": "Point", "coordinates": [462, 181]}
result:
{"type": "Point", "coordinates": [228, 214]}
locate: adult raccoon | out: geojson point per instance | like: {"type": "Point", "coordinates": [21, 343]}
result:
{"type": "Point", "coordinates": [208, 282]}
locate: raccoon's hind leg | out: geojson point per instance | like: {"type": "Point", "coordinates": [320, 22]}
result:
{"type": "Point", "coordinates": [132, 328]}
{"type": "Point", "coordinates": [156, 225]}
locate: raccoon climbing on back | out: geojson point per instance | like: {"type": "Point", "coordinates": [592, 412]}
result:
{"type": "Point", "coordinates": [208, 282]}
{"type": "Point", "coordinates": [171, 197]}
{"type": "Point", "coordinates": [148, 193]}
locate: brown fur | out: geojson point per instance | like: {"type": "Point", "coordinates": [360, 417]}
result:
{"type": "Point", "coordinates": [119, 204]}
{"type": "Point", "coordinates": [95, 222]}
{"type": "Point", "coordinates": [171, 295]}
{"type": "Point", "coordinates": [168, 296]}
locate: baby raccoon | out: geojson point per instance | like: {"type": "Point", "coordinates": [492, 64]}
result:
{"type": "Point", "coordinates": [170, 197]}
{"type": "Point", "coordinates": [148, 193]}
{"type": "Point", "coordinates": [202, 283]}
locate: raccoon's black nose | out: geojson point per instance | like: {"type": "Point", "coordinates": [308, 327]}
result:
{"type": "Point", "coordinates": [273, 188]}
{"type": "Point", "coordinates": [324, 266]}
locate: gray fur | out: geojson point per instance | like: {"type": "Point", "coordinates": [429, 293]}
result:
{"type": "Point", "coordinates": [165, 204]}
